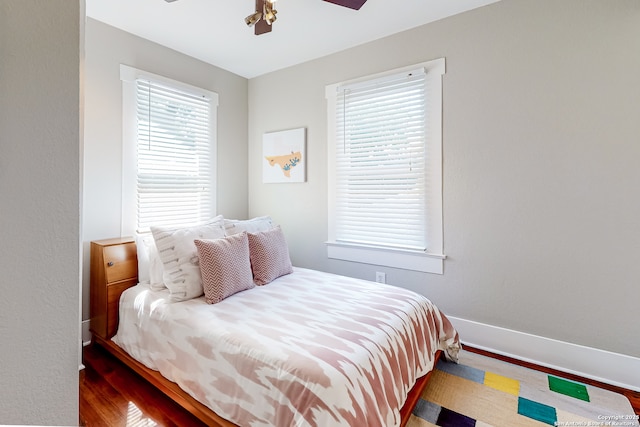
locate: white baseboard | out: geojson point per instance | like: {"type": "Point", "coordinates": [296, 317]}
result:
{"type": "Point", "coordinates": [86, 334]}
{"type": "Point", "coordinates": [600, 365]}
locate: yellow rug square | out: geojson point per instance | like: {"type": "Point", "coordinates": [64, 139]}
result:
{"type": "Point", "coordinates": [508, 385]}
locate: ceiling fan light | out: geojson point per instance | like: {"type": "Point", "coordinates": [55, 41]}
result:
{"type": "Point", "coordinates": [253, 18]}
{"type": "Point", "coordinates": [270, 18]}
{"type": "Point", "coordinates": [269, 13]}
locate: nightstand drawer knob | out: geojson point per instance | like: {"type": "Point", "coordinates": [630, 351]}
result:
{"type": "Point", "coordinates": [110, 263]}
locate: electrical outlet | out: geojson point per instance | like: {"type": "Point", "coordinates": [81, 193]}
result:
{"type": "Point", "coordinates": [381, 277]}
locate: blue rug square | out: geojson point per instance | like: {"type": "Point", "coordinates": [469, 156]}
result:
{"type": "Point", "coordinates": [462, 371]}
{"type": "Point", "coordinates": [538, 411]}
{"type": "Point", "coordinates": [426, 410]}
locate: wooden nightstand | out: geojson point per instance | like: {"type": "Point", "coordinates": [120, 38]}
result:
{"type": "Point", "coordinates": [114, 268]}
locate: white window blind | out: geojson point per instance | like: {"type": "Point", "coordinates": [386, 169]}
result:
{"type": "Point", "coordinates": [380, 162]}
{"type": "Point", "coordinates": [385, 168]}
{"type": "Point", "coordinates": [174, 156]}
{"type": "Point", "coordinates": [169, 152]}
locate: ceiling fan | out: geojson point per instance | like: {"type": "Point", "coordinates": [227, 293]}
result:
{"type": "Point", "coordinates": [351, 4]}
{"type": "Point", "coordinates": [265, 13]}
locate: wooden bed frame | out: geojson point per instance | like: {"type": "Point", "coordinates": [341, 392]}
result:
{"type": "Point", "coordinates": [172, 390]}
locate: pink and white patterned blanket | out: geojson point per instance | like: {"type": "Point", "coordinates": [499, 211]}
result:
{"type": "Point", "coordinates": [308, 349]}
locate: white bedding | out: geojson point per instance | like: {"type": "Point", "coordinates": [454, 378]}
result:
{"type": "Point", "coordinates": [308, 349]}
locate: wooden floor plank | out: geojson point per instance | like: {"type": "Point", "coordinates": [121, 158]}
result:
{"type": "Point", "coordinates": [111, 394]}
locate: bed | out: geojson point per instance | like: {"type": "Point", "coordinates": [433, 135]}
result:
{"type": "Point", "coordinates": [306, 348]}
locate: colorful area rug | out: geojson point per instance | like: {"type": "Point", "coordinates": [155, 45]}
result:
{"type": "Point", "coordinates": [485, 392]}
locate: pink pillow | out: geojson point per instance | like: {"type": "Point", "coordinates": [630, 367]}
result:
{"type": "Point", "coordinates": [269, 255]}
{"type": "Point", "coordinates": [225, 266]}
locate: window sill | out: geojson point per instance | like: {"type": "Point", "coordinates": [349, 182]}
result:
{"type": "Point", "coordinates": [396, 258]}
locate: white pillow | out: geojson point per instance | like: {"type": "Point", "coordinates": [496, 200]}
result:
{"type": "Point", "coordinates": [179, 256]}
{"type": "Point", "coordinates": [143, 243]}
{"type": "Point", "coordinates": [254, 225]}
{"type": "Point", "coordinates": [149, 264]}
{"type": "Point", "coordinates": [156, 270]}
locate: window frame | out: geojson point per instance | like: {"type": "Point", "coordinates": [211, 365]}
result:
{"type": "Point", "coordinates": [431, 260]}
{"type": "Point", "coordinates": [129, 75]}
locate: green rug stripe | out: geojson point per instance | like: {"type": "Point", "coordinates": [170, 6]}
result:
{"type": "Point", "coordinates": [538, 411]}
{"type": "Point", "coordinates": [569, 388]}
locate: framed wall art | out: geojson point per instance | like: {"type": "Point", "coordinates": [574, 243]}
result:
{"type": "Point", "coordinates": [283, 156]}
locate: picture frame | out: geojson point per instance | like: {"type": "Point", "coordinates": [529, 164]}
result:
{"type": "Point", "coordinates": [284, 156]}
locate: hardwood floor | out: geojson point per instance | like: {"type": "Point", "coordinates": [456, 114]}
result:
{"type": "Point", "coordinates": [111, 394]}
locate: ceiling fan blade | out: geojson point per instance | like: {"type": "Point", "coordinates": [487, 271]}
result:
{"type": "Point", "coordinates": [351, 4]}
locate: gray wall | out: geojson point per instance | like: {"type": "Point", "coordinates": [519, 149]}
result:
{"type": "Point", "coordinates": [40, 164]}
{"type": "Point", "coordinates": [541, 148]}
{"type": "Point", "coordinates": [108, 47]}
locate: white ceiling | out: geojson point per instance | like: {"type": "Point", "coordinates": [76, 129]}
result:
{"type": "Point", "coordinates": [214, 30]}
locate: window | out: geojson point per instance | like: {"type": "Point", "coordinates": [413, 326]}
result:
{"type": "Point", "coordinates": [385, 169]}
{"type": "Point", "coordinates": [169, 152]}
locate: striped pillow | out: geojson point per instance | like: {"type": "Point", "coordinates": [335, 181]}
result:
{"type": "Point", "coordinates": [180, 258]}
{"type": "Point", "coordinates": [225, 266]}
{"type": "Point", "coordinates": [269, 255]}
